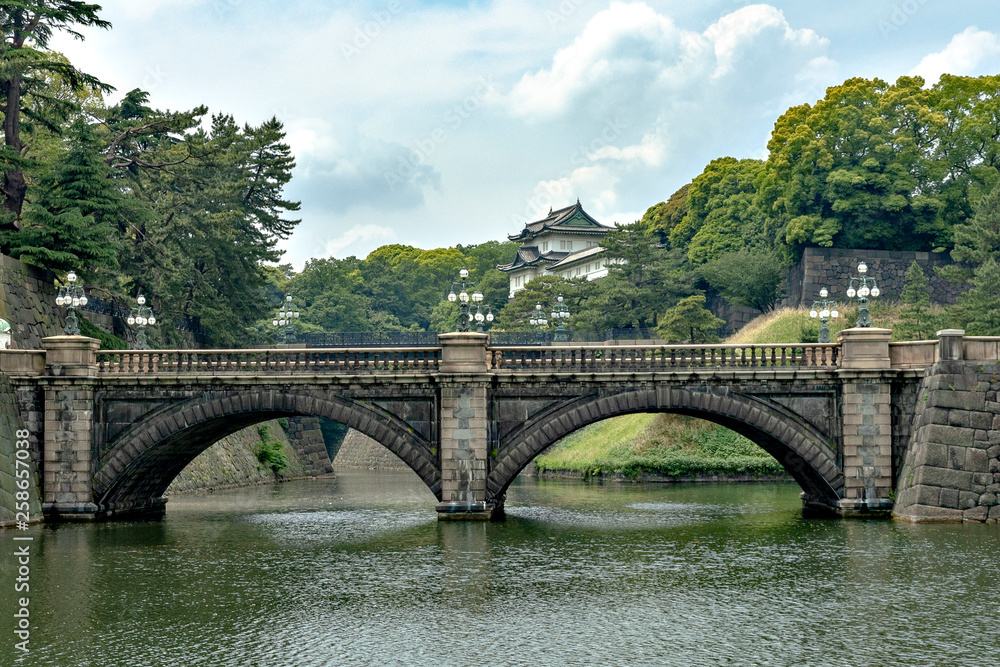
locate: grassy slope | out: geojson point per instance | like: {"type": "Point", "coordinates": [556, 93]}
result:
{"type": "Point", "coordinates": [677, 445]}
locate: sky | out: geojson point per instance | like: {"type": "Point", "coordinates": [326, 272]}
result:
{"type": "Point", "coordinates": [442, 122]}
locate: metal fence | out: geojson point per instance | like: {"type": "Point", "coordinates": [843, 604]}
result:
{"type": "Point", "coordinates": [430, 338]}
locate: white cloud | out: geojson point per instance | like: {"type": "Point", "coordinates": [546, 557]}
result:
{"type": "Point", "coordinates": [735, 34]}
{"type": "Point", "coordinates": [364, 235]}
{"type": "Point", "coordinates": [632, 55]}
{"type": "Point", "coordinates": [962, 56]}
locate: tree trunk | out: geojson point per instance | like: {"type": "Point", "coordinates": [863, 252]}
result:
{"type": "Point", "coordinates": [14, 185]}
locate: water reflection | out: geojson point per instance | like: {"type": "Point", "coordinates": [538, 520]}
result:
{"type": "Point", "coordinates": [357, 570]}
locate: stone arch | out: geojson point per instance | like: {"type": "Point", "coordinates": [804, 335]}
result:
{"type": "Point", "coordinates": [802, 449]}
{"type": "Point", "coordinates": [141, 462]}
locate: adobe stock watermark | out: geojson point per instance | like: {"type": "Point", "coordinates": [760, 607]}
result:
{"type": "Point", "coordinates": [370, 30]}
{"type": "Point", "coordinates": [21, 555]}
{"type": "Point", "coordinates": [154, 77]}
{"type": "Point", "coordinates": [899, 16]}
{"type": "Point", "coordinates": [425, 147]}
{"type": "Point", "coordinates": [562, 11]}
{"type": "Point", "coordinates": [554, 192]}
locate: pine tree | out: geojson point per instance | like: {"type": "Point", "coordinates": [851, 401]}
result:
{"type": "Point", "coordinates": [916, 300]}
{"type": "Point", "coordinates": [689, 321]}
{"type": "Point", "coordinates": [24, 64]}
{"type": "Point", "coordinates": [978, 309]}
{"type": "Point", "coordinates": [72, 224]}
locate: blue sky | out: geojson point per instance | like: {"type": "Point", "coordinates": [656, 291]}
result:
{"type": "Point", "coordinates": [436, 123]}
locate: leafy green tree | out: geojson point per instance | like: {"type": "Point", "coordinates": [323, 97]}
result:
{"type": "Point", "coordinates": [28, 27]}
{"type": "Point", "coordinates": [915, 317]}
{"type": "Point", "coordinates": [853, 169]}
{"type": "Point", "coordinates": [73, 222]}
{"type": "Point", "coordinates": [749, 278]}
{"type": "Point", "coordinates": [689, 321]}
{"type": "Point", "coordinates": [722, 216]}
{"type": "Point", "coordinates": [661, 219]}
{"type": "Point", "coordinates": [409, 282]}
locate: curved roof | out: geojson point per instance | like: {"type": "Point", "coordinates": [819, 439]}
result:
{"type": "Point", "coordinates": [529, 255]}
{"type": "Point", "coordinates": [4, 326]}
{"type": "Point", "coordinates": [572, 219]}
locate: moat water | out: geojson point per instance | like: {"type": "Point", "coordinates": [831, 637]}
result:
{"type": "Point", "coordinates": [357, 570]}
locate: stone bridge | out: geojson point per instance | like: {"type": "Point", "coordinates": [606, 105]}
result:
{"type": "Point", "coordinates": [859, 424]}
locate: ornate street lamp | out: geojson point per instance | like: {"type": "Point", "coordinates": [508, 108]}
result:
{"type": "Point", "coordinates": [538, 320]}
{"type": "Point", "coordinates": [560, 313]}
{"type": "Point", "coordinates": [141, 316]}
{"type": "Point", "coordinates": [482, 316]}
{"type": "Point", "coordinates": [283, 320]}
{"type": "Point", "coordinates": [863, 286]}
{"type": "Point", "coordinates": [463, 298]}
{"type": "Point", "coordinates": [824, 309]}
{"type": "Point", "coordinates": [72, 297]}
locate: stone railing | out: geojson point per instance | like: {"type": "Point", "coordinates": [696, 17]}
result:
{"type": "Point", "coordinates": [230, 362]}
{"type": "Point", "coordinates": [578, 358]}
{"type": "Point", "coordinates": [22, 362]}
{"type": "Point", "coordinates": [985, 348]}
{"type": "Point", "coordinates": [913, 354]}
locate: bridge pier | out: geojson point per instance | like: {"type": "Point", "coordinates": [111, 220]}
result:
{"type": "Point", "coordinates": [464, 451]}
{"type": "Point", "coordinates": [867, 422]}
{"type": "Point", "coordinates": [68, 458]}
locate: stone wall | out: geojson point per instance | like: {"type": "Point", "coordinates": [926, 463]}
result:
{"type": "Point", "coordinates": [360, 451]}
{"type": "Point", "coordinates": [232, 461]}
{"type": "Point", "coordinates": [10, 423]}
{"type": "Point", "coordinates": [951, 470]}
{"type": "Point", "coordinates": [28, 302]}
{"type": "Point", "coordinates": [834, 267]}
{"type": "Point", "coordinates": [306, 438]}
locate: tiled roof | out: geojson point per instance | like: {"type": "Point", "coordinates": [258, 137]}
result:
{"type": "Point", "coordinates": [528, 255]}
{"type": "Point", "coordinates": [574, 257]}
{"type": "Point", "coordinates": [572, 219]}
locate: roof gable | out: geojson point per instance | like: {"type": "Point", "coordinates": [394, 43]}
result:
{"type": "Point", "coordinates": [572, 219]}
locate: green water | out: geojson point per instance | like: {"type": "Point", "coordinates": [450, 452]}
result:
{"type": "Point", "coordinates": [357, 571]}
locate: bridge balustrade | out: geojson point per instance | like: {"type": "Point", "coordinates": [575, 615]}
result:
{"type": "Point", "coordinates": [572, 358]}
{"type": "Point", "coordinates": [350, 361]}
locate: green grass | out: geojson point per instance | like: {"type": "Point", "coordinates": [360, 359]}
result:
{"type": "Point", "coordinates": [665, 444]}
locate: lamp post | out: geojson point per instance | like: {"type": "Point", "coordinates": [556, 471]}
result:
{"type": "Point", "coordinates": [283, 320]}
{"type": "Point", "coordinates": [463, 298]}
{"type": "Point", "coordinates": [862, 285]}
{"type": "Point", "coordinates": [825, 310]}
{"type": "Point", "coordinates": [538, 320]}
{"type": "Point", "coordinates": [482, 317]}
{"type": "Point", "coordinates": [141, 315]}
{"type": "Point", "coordinates": [560, 313]}
{"type": "Point", "coordinates": [72, 297]}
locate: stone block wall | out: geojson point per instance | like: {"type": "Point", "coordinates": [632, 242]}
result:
{"type": "Point", "coordinates": [10, 423]}
{"type": "Point", "coordinates": [834, 267]}
{"type": "Point", "coordinates": [232, 462]}
{"type": "Point", "coordinates": [952, 467]}
{"type": "Point", "coordinates": [306, 438]}
{"type": "Point", "coordinates": [360, 451]}
{"type": "Point", "coordinates": [28, 302]}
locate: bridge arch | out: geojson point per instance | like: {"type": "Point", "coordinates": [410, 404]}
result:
{"type": "Point", "coordinates": [804, 451]}
{"type": "Point", "coordinates": [139, 464]}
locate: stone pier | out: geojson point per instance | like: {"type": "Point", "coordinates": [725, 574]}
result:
{"type": "Point", "coordinates": [464, 431]}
